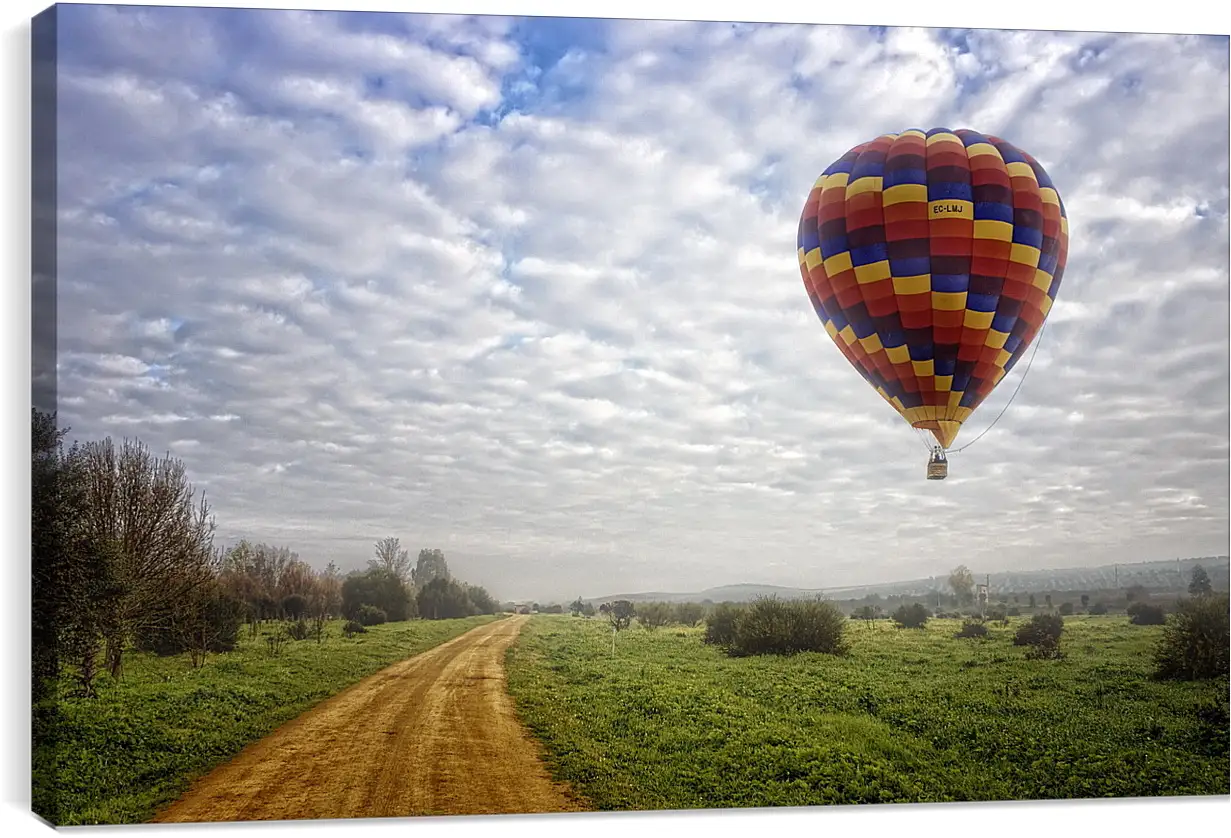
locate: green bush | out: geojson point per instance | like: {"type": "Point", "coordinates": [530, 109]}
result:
{"type": "Point", "coordinates": [1066, 609]}
{"type": "Point", "coordinates": [1144, 614]}
{"type": "Point", "coordinates": [298, 630]}
{"type": "Point", "coordinates": [1042, 635]}
{"type": "Point", "coordinates": [353, 627]}
{"type": "Point", "coordinates": [689, 613]}
{"type": "Point", "coordinates": [1014, 612]}
{"type": "Point", "coordinates": [720, 624]}
{"type": "Point", "coordinates": [295, 607]}
{"type": "Point", "coordinates": [655, 614]}
{"type": "Point", "coordinates": [972, 628]}
{"type": "Point", "coordinates": [1098, 608]}
{"type": "Point", "coordinates": [772, 626]}
{"type": "Point", "coordinates": [1195, 640]}
{"type": "Point", "coordinates": [911, 616]}
{"type": "Point", "coordinates": [381, 588]}
{"type": "Point", "coordinates": [370, 615]}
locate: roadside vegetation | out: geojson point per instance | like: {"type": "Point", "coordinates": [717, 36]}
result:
{"type": "Point", "coordinates": [156, 652]}
{"type": "Point", "coordinates": [1040, 708]}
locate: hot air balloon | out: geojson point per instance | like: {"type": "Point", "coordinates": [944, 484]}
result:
{"type": "Point", "coordinates": [932, 259]}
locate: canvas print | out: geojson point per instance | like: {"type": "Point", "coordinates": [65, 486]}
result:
{"type": "Point", "coordinates": [480, 415]}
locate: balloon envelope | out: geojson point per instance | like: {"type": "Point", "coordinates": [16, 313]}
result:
{"type": "Point", "coordinates": [932, 259]}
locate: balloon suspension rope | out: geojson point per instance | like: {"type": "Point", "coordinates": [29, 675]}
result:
{"type": "Point", "coordinates": [1020, 382]}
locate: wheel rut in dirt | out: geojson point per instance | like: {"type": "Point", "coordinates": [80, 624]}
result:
{"type": "Point", "coordinates": [436, 734]}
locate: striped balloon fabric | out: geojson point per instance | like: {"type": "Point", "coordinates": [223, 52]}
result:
{"type": "Point", "coordinates": [932, 259]}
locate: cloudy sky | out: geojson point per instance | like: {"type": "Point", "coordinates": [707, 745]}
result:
{"type": "Point", "coordinates": [527, 290]}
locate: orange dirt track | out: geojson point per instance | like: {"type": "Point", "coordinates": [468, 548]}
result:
{"type": "Point", "coordinates": [432, 735]}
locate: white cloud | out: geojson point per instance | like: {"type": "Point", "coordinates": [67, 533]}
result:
{"type": "Point", "coordinates": [563, 335]}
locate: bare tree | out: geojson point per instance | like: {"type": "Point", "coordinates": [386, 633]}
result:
{"type": "Point", "coordinates": [391, 557]}
{"type": "Point", "coordinates": [142, 509]}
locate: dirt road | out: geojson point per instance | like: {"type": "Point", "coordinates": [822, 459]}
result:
{"type": "Point", "coordinates": [432, 735]}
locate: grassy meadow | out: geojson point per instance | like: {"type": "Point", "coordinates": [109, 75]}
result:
{"type": "Point", "coordinates": [910, 715]}
{"type": "Point", "coordinates": [121, 756]}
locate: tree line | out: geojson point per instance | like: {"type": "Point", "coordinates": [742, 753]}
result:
{"type": "Point", "coordinates": [123, 560]}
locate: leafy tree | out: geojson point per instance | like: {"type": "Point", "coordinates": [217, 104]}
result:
{"type": "Point", "coordinates": [1194, 645]}
{"type": "Point", "coordinates": [1200, 584]}
{"type": "Point", "coordinates": [482, 601]}
{"type": "Point", "coordinates": [378, 587]}
{"type": "Point", "coordinates": [621, 614]}
{"type": "Point", "coordinates": [1085, 600]}
{"type": "Point", "coordinates": [431, 565]}
{"type": "Point", "coordinates": [295, 606]}
{"type": "Point", "coordinates": [1135, 593]}
{"type": "Point", "coordinates": [1066, 609]}
{"type": "Point", "coordinates": [911, 616]}
{"type": "Point", "coordinates": [962, 581]}
{"type": "Point", "coordinates": [1047, 599]}
{"type": "Point", "coordinates": [1033, 601]}
{"type": "Point", "coordinates": [443, 598]}
{"type": "Point", "coordinates": [391, 557]}
{"type": "Point", "coordinates": [577, 606]}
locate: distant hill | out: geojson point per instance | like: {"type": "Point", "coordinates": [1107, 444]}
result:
{"type": "Point", "coordinates": [1168, 575]}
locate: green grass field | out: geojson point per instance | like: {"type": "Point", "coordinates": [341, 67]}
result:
{"type": "Point", "coordinates": [909, 716]}
{"type": "Point", "coordinates": [138, 745]}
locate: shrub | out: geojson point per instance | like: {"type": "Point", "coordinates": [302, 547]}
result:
{"type": "Point", "coordinates": [997, 615]}
{"type": "Point", "coordinates": [655, 614]}
{"type": "Point", "coordinates": [1014, 612]}
{"type": "Point", "coordinates": [353, 627]}
{"type": "Point", "coordinates": [911, 616]}
{"type": "Point", "coordinates": [689, 613]}
{"type": "Point", "coordinates": [381, 588]}
{"type": "Point", "coordinates": [298, 630]}
{"type": "Point", "coordinates": [294, 606]}
{"type": "Point", "coordinates": [1066, 609]}
{"type": "Point", "coordinates": [1194, 643]}
{"type": "Point", "coordinates": [771, 626]}
{"type": "Point", "coordinates": [370, 615]}
{"type": "Point", "coordinates": [206, 621]}
{"type": "Point", "coordinates": [1098, 608]}
{"type": "Point", "coordinates": [720, 624]}
{"type": "Point", "coordinates": [1144, 614]}
{"type": "Point", "coordinates": [972, 628]}
{"type": "Point", "coordinates": [275, 642]}
{"type": "Point", "coordinates": [1042, 635]}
